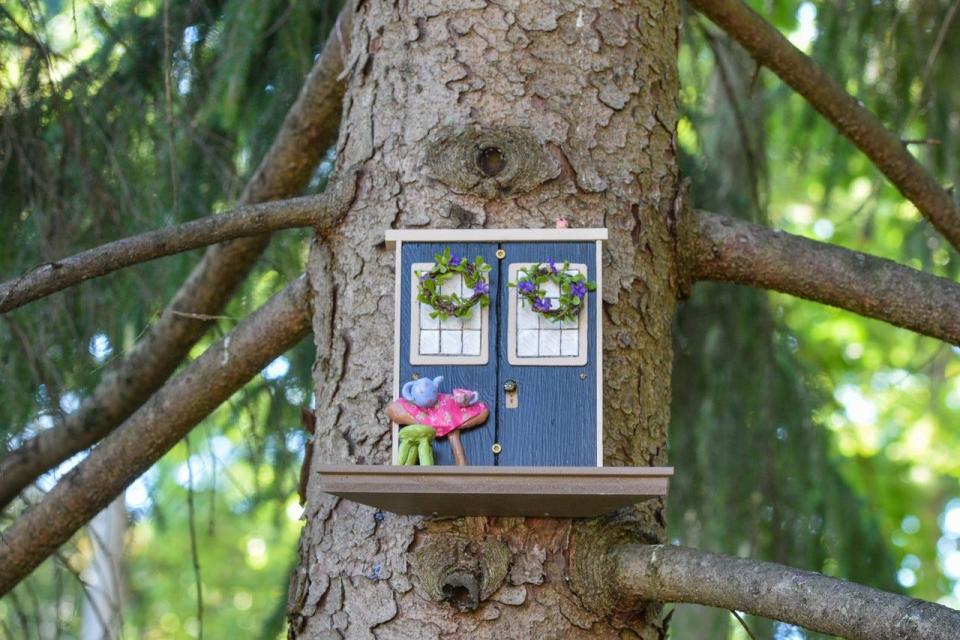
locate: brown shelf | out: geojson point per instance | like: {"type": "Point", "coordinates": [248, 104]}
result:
{"type": "Point", "coordinates": [562, 492]}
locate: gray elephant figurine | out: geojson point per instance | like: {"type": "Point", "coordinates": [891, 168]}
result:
{"type": "Point", "coordinates": [422, 392]}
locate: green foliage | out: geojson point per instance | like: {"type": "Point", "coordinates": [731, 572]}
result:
{"type": "Point", "coordinates": [573, 287]}
{"type": "Point", "coordinates": [445, 266]}
{"type": "Point", "coordinates": [805, 433]}
{"type": "Point", "coordinates": [92, 149]}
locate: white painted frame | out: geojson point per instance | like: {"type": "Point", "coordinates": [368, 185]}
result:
{"type": "Point", "coordinates": [598, 320]}
{"type": "Point", "coordinates": [494, 235]}
{"type": "Point", "coordinates": [545, 361]}
{"type": "Point", "coordinates": [415, 356]}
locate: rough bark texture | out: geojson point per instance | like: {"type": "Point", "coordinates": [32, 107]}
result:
{"type": "Point", "coordinates": [320, 211]}
{"type": "Point", "coordinates": [771, 49]}
{"type": "Point", "coordinates": [152, 431]}
{"type": "Point", "coordinates": [811, 600]}
{"type": "Point", "coordinates": [726, 249]}
{"type": "Point", "coordinates": [593, 84]}
{"type": "Point", "coordinates": [309, 127]}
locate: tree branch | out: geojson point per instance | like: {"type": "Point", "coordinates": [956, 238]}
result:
{"type": "Point", "coordinates": [726, 249]}
{"type": "Point", "coordinates": [860, 126]}
{"type": "Point", "coordinates": [669, 573]}
{"type": "Point", "coordinates": [309, 128]}
{"type": "Point", "coordinates": [321, 211]}
{"type": "Point", "coordinates": [153, 430]}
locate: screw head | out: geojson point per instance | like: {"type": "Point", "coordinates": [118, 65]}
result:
{"type": "Point", "coordinates": [501, 254]}
{"type": "Point", "coordinates": [496, 448]}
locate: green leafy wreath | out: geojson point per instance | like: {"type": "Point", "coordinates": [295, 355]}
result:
{"type": "Point", "coordinates": [451, 304]}
{"type": "Point", "coordinates": [573, 289]}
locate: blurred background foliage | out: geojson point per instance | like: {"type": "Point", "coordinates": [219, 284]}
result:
{"type": "Point", "coordinates": [801, 433]}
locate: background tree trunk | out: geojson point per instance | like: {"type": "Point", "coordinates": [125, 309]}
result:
{"type": "Point", "coordinates": [104, 576]}
{"type": "Point", "coordinates": [596, 85]}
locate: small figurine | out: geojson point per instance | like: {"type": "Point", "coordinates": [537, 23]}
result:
{"type": "Point", "coordinates": [415, 445]}
{"type": "Point", "coordinates": [422, 404]}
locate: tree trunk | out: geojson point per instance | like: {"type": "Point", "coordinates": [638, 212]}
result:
{"type": "Point", "coordinates": [580, 102]}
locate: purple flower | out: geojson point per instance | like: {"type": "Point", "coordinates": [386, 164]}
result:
{"type": "Point", "coordinates": [553, 265]}
{"type": "Point", "coordinates": [578, 289]}
{"type": "Point", "coordinates": [481, 287]}
{"type": "Point", "coordinates": [525, 287]}
{"type": "Point", "coordinates": [455, 260]}
{"type": "Point", "coordinates": [541, 304]}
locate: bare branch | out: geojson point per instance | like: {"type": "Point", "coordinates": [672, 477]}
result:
{"type": "Point", "coordinates": [827, 605]}
{"type": "Point", "coordinates": [722, 248]}
{"type": "Point", "coordinates": [307, 131]}
{"type": "Point", "coordinates": [319, 211]}
{"type": "Point", "coordinates": [860, 126]}
{"type": "Point", "coordinates": [152, 431]}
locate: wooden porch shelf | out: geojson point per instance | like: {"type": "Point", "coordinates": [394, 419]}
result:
{"type": "Point", "coordinates": [562, 492]}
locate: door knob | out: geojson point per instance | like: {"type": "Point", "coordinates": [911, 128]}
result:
{"type": "Point", "coordinates": [510, 386]}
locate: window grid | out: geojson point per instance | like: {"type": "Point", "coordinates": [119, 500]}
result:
{"type": "Point", "coordinates": [453, 336]}
{"type": "Point", "coordinates": [540, 337]}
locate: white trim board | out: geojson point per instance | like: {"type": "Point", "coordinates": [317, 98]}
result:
{"type": "Point", "coordinates": [494, 235]}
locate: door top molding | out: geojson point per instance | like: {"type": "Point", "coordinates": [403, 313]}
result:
{"type": "Point", "coordinates": [494, 235]}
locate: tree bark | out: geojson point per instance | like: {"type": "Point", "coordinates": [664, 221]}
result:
{"type": "Point", "coordinates": [309, 127]}
{"type": "Point", "coordinates": [593, 86]}
{"type": "Point", "coordinates": [817, 602]}
{"type": "Point", "coordinates": [730, 250]}
{"type": "Point", "coordinates": [320, 211]}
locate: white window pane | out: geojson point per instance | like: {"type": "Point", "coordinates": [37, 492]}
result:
{"type": "Point", "coordinates": [450, 343]}
{"type": "Point", "coordinates": [453, 285]}
{"type": "Point", "coordinates": [551, 289]}
{"type": "Point", "coordinates": [526, 318]}
{"type": "Point", "coordinates": [527, 342]}
{"type": "Point", "coordinates": [572, 324]}
{"type": "Point", "coordinates": [471, 343]}
{"type": "Point", "coordinates": [570, 343]}
{"type": "Point", "coordinates": [549, 343]}
{"type": "Point", "coordinates": [451, 323]}
{"type": "Point", "coordinates": [426, 322]}
{"type": "Point", "coordinates": [473, 322]}
{"type": "Point", "coordinates": [429, 342]}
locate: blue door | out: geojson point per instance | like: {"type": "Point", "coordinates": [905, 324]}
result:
{"type": "Point", "coordinates": [551, 366]}
{"type": "Point", "coordinates": [538, 376]}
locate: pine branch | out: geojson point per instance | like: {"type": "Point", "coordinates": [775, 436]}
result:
{"type": "Point", "coordinates": [670, 573]}
{"type": "Point", "coordinates": [851, 119]}
{"type": "Point", "coordinates": [152, 431]}
{"type": "Point", "coordinates": [321, 212]}
{"type": "Point", "coordinates": [726, 249]}
{"type": "Point", "coordinates": [309, 128]}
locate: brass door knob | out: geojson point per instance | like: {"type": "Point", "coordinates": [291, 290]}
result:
{"type": "Point", "coordinates": [510, 386]}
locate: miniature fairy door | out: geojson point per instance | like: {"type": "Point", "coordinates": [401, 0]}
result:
{"type": "Point", "coordinates": [547, 369]}
{"type": "Point", "coordinates": [539, 377]}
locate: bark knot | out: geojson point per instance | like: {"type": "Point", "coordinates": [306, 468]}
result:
{"type": "Point", "coordinates": [490, 162]}
{"type": "Point", "coordinates": [460, 571]}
